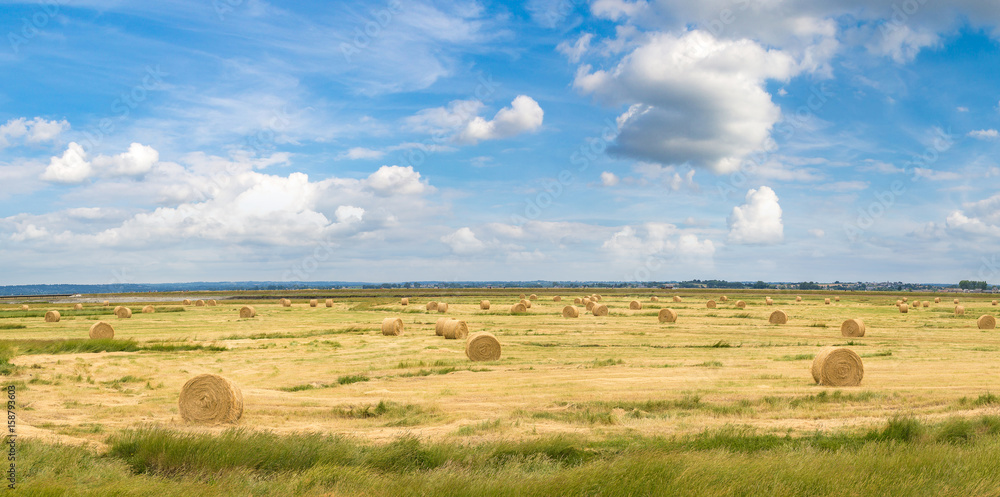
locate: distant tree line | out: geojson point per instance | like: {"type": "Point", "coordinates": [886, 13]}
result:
{"type": "Point", "coordinates": [973, 285]}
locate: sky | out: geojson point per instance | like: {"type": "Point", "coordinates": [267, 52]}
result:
{"type": "Point", "coordinates": [777, 140]}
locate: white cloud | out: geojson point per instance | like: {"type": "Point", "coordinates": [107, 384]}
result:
{"type": "Point", "coordinates": [645, 251]}
{"type": "Point", "coordinates": [935, 175]}
{"type": "Point", "coordinates": [872, 165]}
{"type": "Point", "coordinates": [138, 160]}
{"type": "Point", "coordinates": [524, 115]}
{"type": "Point", "coordinates": [463, 242]}
{"type": "Point", "coordinates": [900, 42]}
{"type": "Point", "coordinates": [818, 233]}
{"type": "Point", "coordinates": [440, 120]}
{"type": "Point", "coordinates": [575, 51]}
{"type": "Point", "coordinates": [362, 153]}
{"type": "Point", "coordinates": [615, 9]}
{"type": "Point", "coordinates": [701, 100]}
{"type": "Point", "coordinates": [962, 109]}
{"type": "Point", "coordinates": [609, 179]}
{"type": "Point", "coordinates": [396, 180]}
{"type": "Point", "coordinates": [36, 130]}
{"type": "Point", "coordinates": [349, 214]}
{"type": "Point", "coordinates": [758, 221]}
{"type": "Point", "coordinates": [71, 167]}
{"type": "Point", "coordinates": [843, 186]}
{"type": "Point", "coordinates": [985, 134]}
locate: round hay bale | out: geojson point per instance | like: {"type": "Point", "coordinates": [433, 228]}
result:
{"type": "Point", "coordinates": [432, 306]}
{"type": "Point", "coordinates": [148, 309]}
{"type": "Point", "coordinates": [986, 322]}
{"type": "Point", "coordinates": [570, 312]}
{"type": "Point", "coordinates": [898, 303]}
{"type": "Point", "coordinates": [905, 299]}
{"type": "Point", "coordinates": [578, 301]}
{"type": "Point", "coordinates": [903, 308]}
{"type": "Point", "coordinates": [677, 298]}
{"type": "Point", "coordinates": [599, 309]}
{"type": "Point", "coordinates": [212, 303]}
{"type": "Point", "coordinates": [404, 301]}
{"type": "Point", "coordinates": [710, 304]}
{"type": "Point", "coordinates": [557, 299]}
{"type": "Point", "coordinates": [482, 346]}
{"type": "Point", "coordinates": [115, 311]}
{"type": "Point", "coordinates": [328, 302]}
{"type": "Point", "coordinates": [78, 307]}
{"type": "Point", "coordinates": [916, 304]}
{"type": "Point", "coordinates": [52, 317]}
{"type": "Point", "coordinates": [853, 328]}
{"type": "Point", "coordinates": [526, 302]}
{"type": "Point", "coordinates": [186, 302]}
{"type": "Point", "coordinates": [484, 305]}
{"type": "Point", "coordinates": [586, 300]}
{"type": "Point", "coordinates": [596, 297]}
{"type": "Point", "coordinates": [123, 313]}
{"type": "Point", "coordinates": [778, 317]}
{"type": "Point", "coordinates": [768, 301]}
{"type": "Point", "coordinates": [248, 311]}
{"type": "Point", "coordinates": [532, 297]}
{"type": "Point", "coordinates": [959, 310]}
{"type": "Point", "coordinates": [442, 307]}
{"type": "Point", "coordinates": [826, 301]}
{"type": "Point", "coordinates": [210, 399]}
{"type": "Point", "coordinates": [937, 300]}
{"type": "Point", "coordinates": [590, 305]}
{"type": "Point", "coordinates": [956, 301]}
{"type": "Point", "coordinates": [994, 302]}
{"type": "Point", "coordinates": [798, 299]}
{"type": "Point", "coordinates": [455, 329]}
{"type": "Point", "coordinates": [521, 297]}
{"type": "Point", "coordinates": [836, 299]}
{"type": "Point", "coordinates": [106, 303]}
{"type": "Point", "coordinates": [313, 302]}
{"type": "Point", "coordinates": [654, 298]}
{"type": "Point", "coordinates": [667, 315]}
{"type": "Point", "coordinates": [741, 304]}
{"type": "Point", "coordinates": [635, 305]}
{"type": "Point", "coordinates": [286, 303]}
{"type": "Point", "coordinates": [101, 330]}
{"type": "Point", "coordinates": [199, 303]}
{"type": "Point", "coordinates": [24, 307]}
{"type": "Point", "coordinates": [837, 367]}
{"type": "Point", "coordinates": [518, 308]}
{"type": "Point", "coordinates": [926, 303]}
{"type": "Point", "coordinates": [724, 299]}
{"type": "Point", "coordinates": [439, 326]}
{"type": "Point", "coordinates": [392, 326]}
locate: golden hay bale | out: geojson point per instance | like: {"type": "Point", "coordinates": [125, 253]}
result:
{"type": "Point", "coordinates": [106, 303]}
{"type": "Point", "coordinates": [595, 297]}
{"type": "Point", "coordinates": [853, 328]}
{"type": "Point", "coordinates": [570, 312]}
{"type": "Point", "coordinates": [654, 298]}
{"type": "Point", "coordinates": [526, 302]}
{"type": "Point", "coordinates": [590, 305]}
{"type": "Point", "coordinates": [102, 330]}
{"type": "Point", "coordinates": [285, 303]}
{"type": "Point", "coordinates": [186, 302]}
{"type": "Point", "coordinates": [586, 300]}
{"type": "Point", "coordinates": [24, 307]}
{"type": "Point", "coordinates": [432, 306]}
{"type": "Point", "coordinates": [521, 297]}
{"type": "Point", "coordinates": [248, 311]}
{"type": "Point", "coordinates": [123, 312]}
{"type": "Point", "coordinates": [986, 322]}
{"type": "Point", "coordinates": [578, 301]}
{"type": "Point", "coordinates": [898, 302]}
{"type": "Point", "coordinates": [905, 299]}
{"type": "Point", "coordinates": [635, 305]}
{"type": "Point", "coordinates": [994, 302]}
{"type": "Point", "coordinates": [210, 399]}
{"type": "Point", "coordinates": [826, 301]}
{"type": "Point", "coordinates": [667, 315]}
{"type": "Point", "coordinates": [710, 304]}
{"type": "Point", "coordinates": [778, 317]}
{"type": "Point", "coordinates": [78, 307]}
{"type": "Point", "coordinates": [313, 302]}
{"type": "Point", "coordinates": [557, 299]}
{"type": "Point", "coordinates": [903, 308]}
{"type": "Point", "coordinates": [484, 305]}
{"type": "Point", "coordinates": [836, 299]}
{"type": "Point", "coordinates": [328, 302]}
{"type": "Point", "coordinates": [916, 304]}
{"type": "Point", "coordinates": [404, 301]}
{"type": "Point", "coordinates": [837, 367]}
{"type": "Point", "coordinates": [956, 301]}
{"type": "Point", "coordinates": [455, 329]}
{"type": "Point", "coordinates": [532, 297]}
{"type": "Point", "coordinates": [600, 310]}
{"type": "Point", "coordinates": [741, 304]}
{"type": "Point", "coordinates": [937, 300]}
{"type": "Point", "coordinates": [482, 346]}
{"type": "Point", "coordinates": [959, 310]}
{"type": "Point", "coordinates": [212, 303]}
{"type": "Point", "coordinates": [768, 301]}
{"type": "Point", "coordinates": [199, 303]}
{"type": "Point", "coordinates": [926, 303]}
{"type": "Point", "coordinates": [677, 298]}
{"type": "Point", "coordinates": [392, 326]}
{"type": "Point", "coordinates": [798, 299]}
{"type": "Point", "coordinates": [52, 317]}
{"type": "Point", "coordinates": [148, 309]}
{"type": "Point", "coordinates": [439, 326]}
{"type": "Point", "coordinates": [518, 308]}
{"type": "Point", "coordinates": [723, 299]}
{"type": "Point", "coordinates": [442, 307]}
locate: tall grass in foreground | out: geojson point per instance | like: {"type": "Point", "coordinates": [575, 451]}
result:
{"type": "Point", "coordinates": [906, 457]}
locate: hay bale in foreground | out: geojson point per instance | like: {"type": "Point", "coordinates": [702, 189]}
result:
{"type": "Point", "coordinates": [590, 305]}
{"type": "Point", "coordinates": [199, 303]}
{"type": "Point", "coordinates": [741, 304]}
{"type": "Point", "coordinates": [186, 302]}
{"type": "Point", "coordinates": [328, 302]}
{"type": "Point", "coordinates": [212, 302]}
{"type": "Point", "coordinates": [837, 367]}
{"type": "Point", "coordinates": [484, 305]}
{"type": "Point", "coordinates": [526, 302]}
{"type": "Point", "coordinates": [667, 316]}
{"type": "Point", "coordinates": [635, 305]}
{"type": "Point", "coordinates": [455, 329]}
{"type": "Point", "coordinates": [937, 300]}
{"type": "Point", "coordinates": [599, 309]}
{"type": "Point", "coordinates": [518, 308]}
{"type": "Point", "coordinates": [557, 299]}
{"type": "Point", "coordinates": [210, 399]}
{"type": "Point", "coordinates": [710, 304]}
{"type": "Point", "coordinates": [78, 307]}
{"type": "Point", "coordinates": [102, 330]}
{"type": "Point", "coordinates": [778, 317]}
{"type": "Point", "coordinates": [482, 346]}
{"type": "Point", "coordinates": [431, 306]}
{"type": "Point", "coordinates": [853, 328]}
{"type": "Point", "coordinates": [52, 317]}
{"type": "Point", "coordinates": [247, 311]}
{"type": "Point", "coordinates": [313, 302]}
{"type": "Point", "coordinates": [903, 308]}
{"type": "Point", "coordinates": [986, 322]}
{"type": "Point", "coordinates": [442, 307]}
{"type": "Point", "coordinates": [148, 309]}
{"type": "Point", "coordinates": [123, 312]}
{"type": "Point", "coordinates": [392, 326]}
{"type": "Point", "coordinates": [439, 326]}
{"type": "Point", "coordinates": [959, 310]}
{"type": "Point", "coordinates": [586, 300]}
{"type": "Point", "coordinates": [404, 301]}
{"type": "Point", "coordinates": [677, 298]}
{"type": "Point", "coordinates": [570, 312]}
{"type": "Point", "coordinates": [654, 298]}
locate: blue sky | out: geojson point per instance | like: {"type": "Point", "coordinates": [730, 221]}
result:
{"type": "Point", "coordinates": [551, 139]}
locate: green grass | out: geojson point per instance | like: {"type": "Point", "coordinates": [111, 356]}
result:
{"type": "Point", "coordinates": [12, 326]}
{"type": "Point", "coordinates": [91, 311]}
{"type": "Point", "coordinates": [343, 380]}
{"type": "Point", "coordinates": [11, 348]}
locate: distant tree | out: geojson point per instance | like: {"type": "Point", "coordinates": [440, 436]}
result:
{"type": "Point", "coordinates": [809, 285]}
{"type": "Point", "coordinates": [760, 284]}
